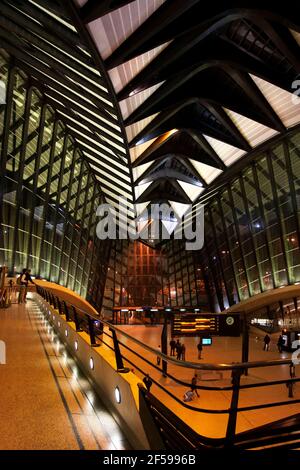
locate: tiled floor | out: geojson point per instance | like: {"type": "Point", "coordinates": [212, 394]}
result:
{"type": "Point", "coordinates": [46, 402]}
{"type": "Point", "coordinates": [222, 350]}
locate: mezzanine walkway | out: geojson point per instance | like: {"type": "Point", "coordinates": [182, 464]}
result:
{"type": "Point", "coordinates": [46, 402]}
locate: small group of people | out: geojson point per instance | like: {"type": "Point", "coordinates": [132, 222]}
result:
{"type": "Point", "coordinates": [23, 281]}
{"type": "Point", "coordinates": [267, 341]}
{"type": "Point", "coordinates": [177, 349]}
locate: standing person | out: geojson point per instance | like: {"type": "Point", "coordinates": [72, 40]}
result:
{"type": "Point", "coordinates": [182, 355]}
{"type": "Point", "coordinates": [178, 349]}
{"type": "Point", "coordinates": [148, 382]}
{"type": "Point", "coordinates": [194, 385]}
{"type": "Point", "coordinates": [199, 347]}
{"type": "Point", "coordinates": [27, 280]}
{"type": "Point", "coordinates": [267, 340]}
{"type": "Point", "coordinates": [23, 284]}
{"type": "Point", "coordinates": [280, 343]}
{"type": "Point", "coordinates": [172, 346]}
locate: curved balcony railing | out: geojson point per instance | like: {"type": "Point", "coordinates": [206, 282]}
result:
{"type": "Point", "coordinates": [113, 337]}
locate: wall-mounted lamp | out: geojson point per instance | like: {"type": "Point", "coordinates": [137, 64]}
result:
{"type": "Point", "coordinates": [117, 395]}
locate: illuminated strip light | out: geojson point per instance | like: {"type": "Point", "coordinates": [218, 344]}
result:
{"type": "Point", "coordinates": [115, 203]}
{"type": "Point", "coordinates": [53, 15]}
{"type": "Point", "coordinates": [99, 97]}
{"type": "Point", "coordinates": [116, 191]}
{"type": "Point", "coordinates": [112, 197]}
{"type": "Point", "coordinates": [205, 320]}
{"type": "Point", "coordinates": [101, 118]}
{"type": "Point", "coordinates": [106, 187]}
{"type": "Point", "coordinates": [92, 69]}
{"type": "Point", "coordinates": [204, 327]}
{"type": "Point", "coordinates": [101, 163]}
{"type": "Point", "coordinates": [74, 70]}
{"type": "Point", "coordinates": [91, 139]}
{"type": "Point", "coordinates": [113, 144]}
{"type": "Point", "coordinates": [114, 179]}
{"type": "Point", "coordinates": [95, 133]}
{"type": "Point", "coordinates": [106, 157]}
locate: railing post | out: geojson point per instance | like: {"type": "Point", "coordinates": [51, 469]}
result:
{"type": "Point", "coordinates": [76, 319]}
{"type": "Point", "coordinates": [92, 332]}
{"type": "Point", "coordinates": [231, 426]}
{"type": "Point", "coordinates": [245, 342]}
{"type": "Point", "coordinates": [66, 310]}
{"type": "Point", "coordinates": [119, 359]}
{"type": "Point", "coordinates": [101, 327]}
{"type": "Point", "coordinates": [290, 386]}
{"type": "Point", "coordinates": [59, 306]}
{"type": "Point", "coordinates": [164, 344]}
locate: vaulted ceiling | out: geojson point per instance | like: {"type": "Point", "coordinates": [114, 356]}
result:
{"type": "Point", "coordinates": [199, 84]}
{"type": "Point", "coordinates": [193, 86]}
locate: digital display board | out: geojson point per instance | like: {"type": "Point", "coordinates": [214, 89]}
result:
{"type": "Point", "coordinates": [198, 324]}
{"type": "Point", "coordinates": [207, 341]}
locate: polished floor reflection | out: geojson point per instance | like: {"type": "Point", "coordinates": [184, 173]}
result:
{"type": "Point", "coordinates": [46, 401]}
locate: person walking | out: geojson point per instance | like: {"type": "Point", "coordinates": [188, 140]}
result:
{"type": "Point", "coordinates": [194, 385]}
{"type": "Point", "coordinates": [267, 340]}
{"type": "Point", "coordinates": [199, 347]}
{"type": "Point", "coordinates": [148, 382]}
{"type": "Point", "coordinates": [280, 343]}
{"type": "Point", "coordinates": [172, 346]}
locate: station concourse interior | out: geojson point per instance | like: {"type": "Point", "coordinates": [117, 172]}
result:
{"type": "Point", "coordinates": [149, 195]}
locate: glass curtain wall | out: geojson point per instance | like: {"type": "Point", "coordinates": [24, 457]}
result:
{"type": "Point", "coordinates": [252, 227]}
{"type": "Point", "coordinates": [48, 192]}
{"type": "Point", "coordinates": [139, 275]}
{"type": "Point", "coordinates": [136, 276]}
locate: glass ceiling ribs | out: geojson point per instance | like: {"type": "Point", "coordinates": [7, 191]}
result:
{"type": "Point", "coordinates": [200, 84]}
{"type": "Point", "coordinates": [47, 47]}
